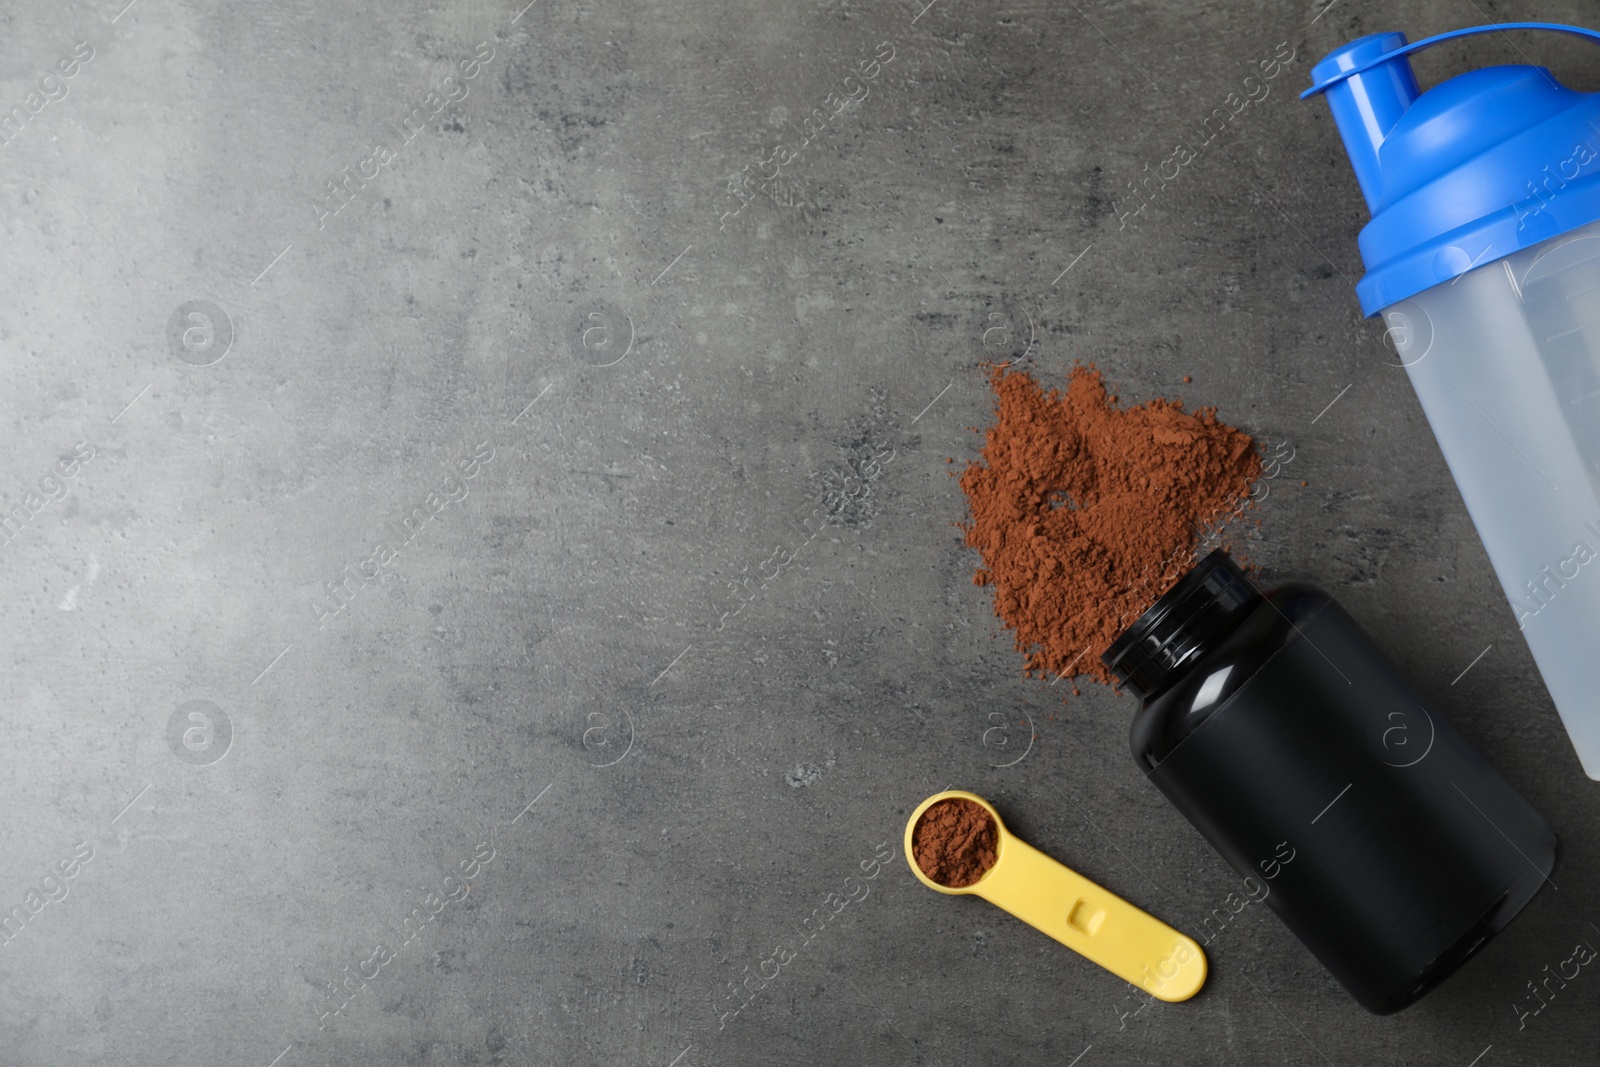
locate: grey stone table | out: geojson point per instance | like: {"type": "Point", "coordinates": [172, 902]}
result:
{"type": "Point", "coordinates": [480, 572]}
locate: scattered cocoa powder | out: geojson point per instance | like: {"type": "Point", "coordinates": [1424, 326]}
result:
{"type": "Point", "coordinates": [1084, 514]}
{"type": "Point", "coordinates": [954, 842]}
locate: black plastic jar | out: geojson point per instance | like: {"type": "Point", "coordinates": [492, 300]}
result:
{"type": "Point", "coordinates": [1381, 837]}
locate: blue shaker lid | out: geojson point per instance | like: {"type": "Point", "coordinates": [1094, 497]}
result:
{"type": "Point", "coordinates": [1480, 166]}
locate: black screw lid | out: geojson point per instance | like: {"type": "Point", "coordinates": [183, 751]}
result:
{"type": "Point", "coordinates": [1206, 603]}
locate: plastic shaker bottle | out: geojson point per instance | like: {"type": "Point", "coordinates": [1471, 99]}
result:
{"type": "Point", "coordinates": [1483, 257]}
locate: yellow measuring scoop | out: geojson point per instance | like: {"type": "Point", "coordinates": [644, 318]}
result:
{"type": "Point", "coordinates": [1091, 921]}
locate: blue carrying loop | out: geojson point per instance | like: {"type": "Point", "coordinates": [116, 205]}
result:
{"type": "Point", "coordinates": [1429, 42]}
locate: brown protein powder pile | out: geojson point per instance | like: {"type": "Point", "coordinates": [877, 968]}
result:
{"type": "Point", "coordinates": [954, 842]}
{"type": "Point", "coordinates": [1085, 513]}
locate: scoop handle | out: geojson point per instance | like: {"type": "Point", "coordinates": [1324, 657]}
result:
{"type": "Point", "coordinates": [1094, 922]}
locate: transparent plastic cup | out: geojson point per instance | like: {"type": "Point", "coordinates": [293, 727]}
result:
{"type": "Point", "coordinates": [1506, 362]}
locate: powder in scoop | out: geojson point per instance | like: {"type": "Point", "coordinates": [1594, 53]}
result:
{"type": "Point", "coordinates": [1085, 513]}
{"type": "Point", "coordinates": [954, 842]}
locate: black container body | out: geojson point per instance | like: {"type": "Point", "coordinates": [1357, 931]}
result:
{"type": "Point", "coordinates": [1382, 838]}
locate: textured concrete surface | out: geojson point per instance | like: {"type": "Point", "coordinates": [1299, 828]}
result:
{"type": "Point", "coordinates": [605, 758]}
